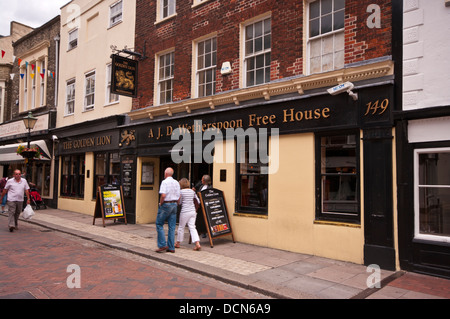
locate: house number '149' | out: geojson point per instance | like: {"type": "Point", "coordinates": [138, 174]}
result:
{"type": "Point", "coordinates": [377, 107]}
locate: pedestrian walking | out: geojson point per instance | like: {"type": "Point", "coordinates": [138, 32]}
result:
{"type": "Point", "coordinates": [188, 214]}
{"type": "Point", "coordinates": [2, 187]}
{"type": "Point", "coordinates": [14, 189]}
{"type": "Point", "coordinates": [167, 212]}
{"type": "Point", "coordinates": [204, 184]}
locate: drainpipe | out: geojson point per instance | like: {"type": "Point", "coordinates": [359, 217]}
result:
{"type": "Point", "coordinates": [57, 39]}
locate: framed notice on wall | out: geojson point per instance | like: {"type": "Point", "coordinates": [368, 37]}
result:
{"type": "Point", "coordinates": [110, 204]}
{"type": "Point", "coordinates": [147, 177]}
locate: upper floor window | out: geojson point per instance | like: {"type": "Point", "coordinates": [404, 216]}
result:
{"type": "Point", "coordinates": [198, 2]}
{"type": "Point", "coordinates": [24, 96]}
{"type": "Point", "coordinates": [166, 9]}
{"type": "Point", "coordinates": [326, 41]}
{"type": "Point", "coordinates": [206, 67]}
{"type": "Point", "coordinates": [110, 97]}
{"type": "Point", "coordinates": [42, 89]}
{"type": "Point", "coordinates": [70, 97]}
{"type": "Point", "coordinates": [258, 41]}
{"type": "Point", "coordinates": [115, 13]}
{"type": "Point", "coordinates": [33, 86]}
{"type": "Point", "coordinates": [89, 93]}
{"type": "Point", "coordinates": [165, 77]}
{"type": "Point", "coordinates": [73, 39]}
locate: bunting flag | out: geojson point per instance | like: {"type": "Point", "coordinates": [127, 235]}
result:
{"type": "Point", "coordinates": [3, 54]}
{"type": "Point", "coordinates": [42, 75]}
{"type": "Point", "coordinates": [22, 75]}
{"type": "Point", "coordinates": [19, 61]}
{"type": "Point", "coordinates": [32, 75]}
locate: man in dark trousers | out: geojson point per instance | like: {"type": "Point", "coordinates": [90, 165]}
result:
{"type": "Point", "coordinates": [15, 188]}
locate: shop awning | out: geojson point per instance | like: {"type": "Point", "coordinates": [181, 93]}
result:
{"type": "Point", "coordinates": [8, 153]}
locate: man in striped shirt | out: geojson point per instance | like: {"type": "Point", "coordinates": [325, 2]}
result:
{"type": "Point", "coordinates": [167, 211]}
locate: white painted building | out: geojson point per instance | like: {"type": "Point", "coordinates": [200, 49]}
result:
{"type": "Point", "coordinates": [423, 144]}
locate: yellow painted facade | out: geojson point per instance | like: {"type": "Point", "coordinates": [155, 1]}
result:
{"type": "Point", "coordinates": [290, 224]}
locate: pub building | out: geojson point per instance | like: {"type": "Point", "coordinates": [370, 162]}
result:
{"type": "Point", "coordinates": [322, 181]}
{"type": "Point", "coordinates": [219, 82]}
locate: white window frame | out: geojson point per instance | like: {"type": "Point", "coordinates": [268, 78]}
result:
{"type": "Point", "coordinates": [262, 52]}
{"type": "Point", "coordinates": [69, 83]}
{"type": "Point", "coordinates": [417, 234]}
{"type": "Point", "coordinates": [43, 83]}
{"type": "Point", "coordinates": [322, 37]}
{"type": "Point", "coordinates": [113, 15]}
{"type": "Point", "coordinates": [33, 85]}
{"type": "Point", "coordinates": [110, 98]}
{"type": "Point", "coordinates": [2, 99]}
{"type": "Point", "coordinates": [72, 39]}
{"type": "Point", "coordinates": [171, 6]}
{"type": "Point", "coordinates": [25, 89]}
{"type": "Point", "coordinates": [212, 68]}
{"type": "Point", "coordinates": [89, 76]}
{"type": "Point", "coordinates": [198, 2]}
{"type": "Point", "coordinates": [161, 81]}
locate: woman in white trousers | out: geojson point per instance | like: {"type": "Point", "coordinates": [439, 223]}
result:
{"type": "Point", "coordinates": [188, 215]}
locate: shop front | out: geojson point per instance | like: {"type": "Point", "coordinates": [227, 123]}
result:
{"type": "Point", "coordinates": [37, 165]}
{"type": "Point", "coordinates": [88, 157]}
{"type": "Point", "coordinates": [424, 190]}
{"type": "Point", "coordinates": [311, 174]}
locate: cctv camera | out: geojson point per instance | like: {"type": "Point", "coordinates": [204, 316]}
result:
{"type": "Point", "coordinates": [341, 88]}
{"type": "Point", "coordinates": [54, 137]}
{"type": "Point", "coordinates": [344, 87]}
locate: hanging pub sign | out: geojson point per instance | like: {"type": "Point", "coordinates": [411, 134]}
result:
{"type": "Point", "coordinates": [124, 74]}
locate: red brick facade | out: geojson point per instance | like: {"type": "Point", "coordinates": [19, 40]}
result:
{"type": "Point", "coordinates": [225, 18]}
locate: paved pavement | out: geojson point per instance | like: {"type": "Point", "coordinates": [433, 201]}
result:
{"type": "Point", "coordinates": [274, 273]}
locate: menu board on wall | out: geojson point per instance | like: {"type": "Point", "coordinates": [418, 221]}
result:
{"type": "Point", "coordinates": [127, 175]}
{"type": "Point", "coordinates": [215, 213]}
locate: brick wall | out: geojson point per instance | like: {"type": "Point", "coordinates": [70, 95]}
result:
{"type": "Point", "coordinates": [225, 18]}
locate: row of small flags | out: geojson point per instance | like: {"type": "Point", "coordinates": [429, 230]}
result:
{"type": "Point", "coordinates": [51, 74]}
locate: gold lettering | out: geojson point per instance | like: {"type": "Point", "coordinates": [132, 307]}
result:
{"type": "Point", "coordinates": [159, 133]}
{"type": "Point", "coordinates": [291, 115]}
{"type": "Point", "coordinates": [252, 118]}
{"type": "Point", "coordinates": [169, 130]}
{"type": "Point", "coordinates": [272, 119]}
{"type": "Point", "coordinates": [326, 113]}
{"type": "Point", "coordinates": [317, 114]}
{"type": "Point", "coordinates": [150, 135]}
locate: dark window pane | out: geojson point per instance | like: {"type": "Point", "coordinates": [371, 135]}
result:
{"type": "Point", "coordinates": [327, 24]}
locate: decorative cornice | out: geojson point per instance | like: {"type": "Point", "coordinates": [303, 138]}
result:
{"type": "Point", "coordinates": [298, 85]}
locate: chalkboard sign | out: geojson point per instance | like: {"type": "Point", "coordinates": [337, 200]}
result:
{"type": "Point", "coordinates": [215, 213]}
{"type": "Point", "coordinates": [110, 204]}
